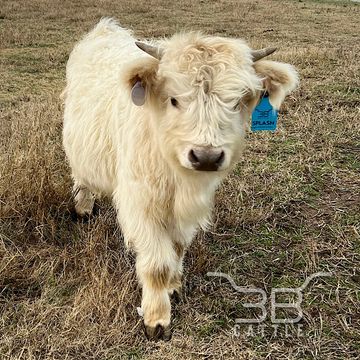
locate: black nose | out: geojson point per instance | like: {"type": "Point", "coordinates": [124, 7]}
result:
{"type": "Point", "coordinates": [206, 158]}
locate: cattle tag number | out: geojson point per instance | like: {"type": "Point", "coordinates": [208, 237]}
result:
{"type": "Point", "coordinates": [264, 116]}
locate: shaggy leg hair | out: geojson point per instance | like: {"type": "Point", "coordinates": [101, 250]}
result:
{"type": "Point", "coordinates": [155, 269]}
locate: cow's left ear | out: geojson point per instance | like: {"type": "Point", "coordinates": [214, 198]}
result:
{"type": "Point", "coordinates": [279, 79]}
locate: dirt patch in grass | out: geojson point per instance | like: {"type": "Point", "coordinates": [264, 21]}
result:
{"type": "Point", "coordinates": [291, 207]}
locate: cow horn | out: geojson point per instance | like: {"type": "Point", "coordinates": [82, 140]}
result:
{"type": "Point", "coordinates": [154, 51]}
{"type": "Point", "coordinates": [259, 54]}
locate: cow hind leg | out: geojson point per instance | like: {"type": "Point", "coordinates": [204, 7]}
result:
{"type": "Point", "coordinates": [84, 200]}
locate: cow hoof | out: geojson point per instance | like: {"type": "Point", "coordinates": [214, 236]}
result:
{"type": "Point", "coordinates": [75, 217]}
{"type": "Point", "coordinates": [83, 213]}
{"type": "Point", "coordinates": [84, 202]}
{"type": "Point", "coordinates": [84, 217]}
{"type": "Point", "coordinates": [176, 296]}
{"type": "Point", "coordinates": [158, 332]}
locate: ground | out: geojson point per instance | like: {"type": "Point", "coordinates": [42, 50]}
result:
{"type": "Point", "coordinates": [289, 209]}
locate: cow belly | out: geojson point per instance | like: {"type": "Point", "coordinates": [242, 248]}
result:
{"type": "Point", "coordinates": [91, 158]}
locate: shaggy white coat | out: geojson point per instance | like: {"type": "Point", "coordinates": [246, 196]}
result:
{"type": "Point", "coordinates": [139, 155]}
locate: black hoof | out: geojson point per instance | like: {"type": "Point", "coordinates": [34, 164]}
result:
{"type": "Point", "coordinates": [158, 333]}
{"type": "Point", "coordinates": [84, 218]}
{"type": "Point", "coordinates": [176, 297]}
{"type": "Point", "coordinates": [75, 217]}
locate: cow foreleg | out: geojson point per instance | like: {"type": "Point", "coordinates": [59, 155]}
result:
{"type": "Point", "coordinates": [156, 264]}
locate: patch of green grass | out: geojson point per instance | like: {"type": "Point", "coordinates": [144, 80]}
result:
{"type": "Point", "coordinates": [211, 327]}
{"type": "Point", "coordinates": [339, 91]}
{"type": "Point", "coordinates": [133, 354]}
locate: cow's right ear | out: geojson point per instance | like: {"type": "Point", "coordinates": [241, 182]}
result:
{"type": "Point", "coordinates": [141, 80]}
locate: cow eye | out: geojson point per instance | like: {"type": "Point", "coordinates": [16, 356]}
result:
{"type": "Point", "coordinates": [174, 102]}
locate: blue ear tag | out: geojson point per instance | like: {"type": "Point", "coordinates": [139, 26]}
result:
{"type": "Point", "coordinates": [264, 116]}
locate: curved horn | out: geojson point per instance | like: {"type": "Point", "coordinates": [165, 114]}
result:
{"type": "Point", "coordinates": [259, 54]}
{"type": "Point", "coordinates": [154, 51]}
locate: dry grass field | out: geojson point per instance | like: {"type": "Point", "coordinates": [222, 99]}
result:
{"type": "Point", "coordinates": [290, 209]}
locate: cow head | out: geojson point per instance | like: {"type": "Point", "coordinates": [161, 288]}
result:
{"type": "Point", "coordinates": [202, 91]}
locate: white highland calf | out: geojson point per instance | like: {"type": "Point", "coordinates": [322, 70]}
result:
{"type": "Point", "coordinates": [156, 127]}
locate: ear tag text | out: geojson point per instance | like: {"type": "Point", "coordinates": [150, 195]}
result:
{"type": "Point", "coordinates": [264, 116]}
{"type": "Point", "coordinates": [138, 94]}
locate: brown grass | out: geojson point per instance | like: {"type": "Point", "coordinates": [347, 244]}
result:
{"type": "Point", "coordinates": [291, 207]}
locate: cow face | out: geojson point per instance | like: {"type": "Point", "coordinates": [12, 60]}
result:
{"type": "Point", "coordinates": [204, 90]}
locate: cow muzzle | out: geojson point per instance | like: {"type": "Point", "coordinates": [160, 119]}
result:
{"type": "Point", "coordinates": [206, 158]}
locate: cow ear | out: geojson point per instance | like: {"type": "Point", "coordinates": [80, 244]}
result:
{"type": "Point", "coordinates": [141, 80]}
{"type": "Point", "coordinates": [278, 79]}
